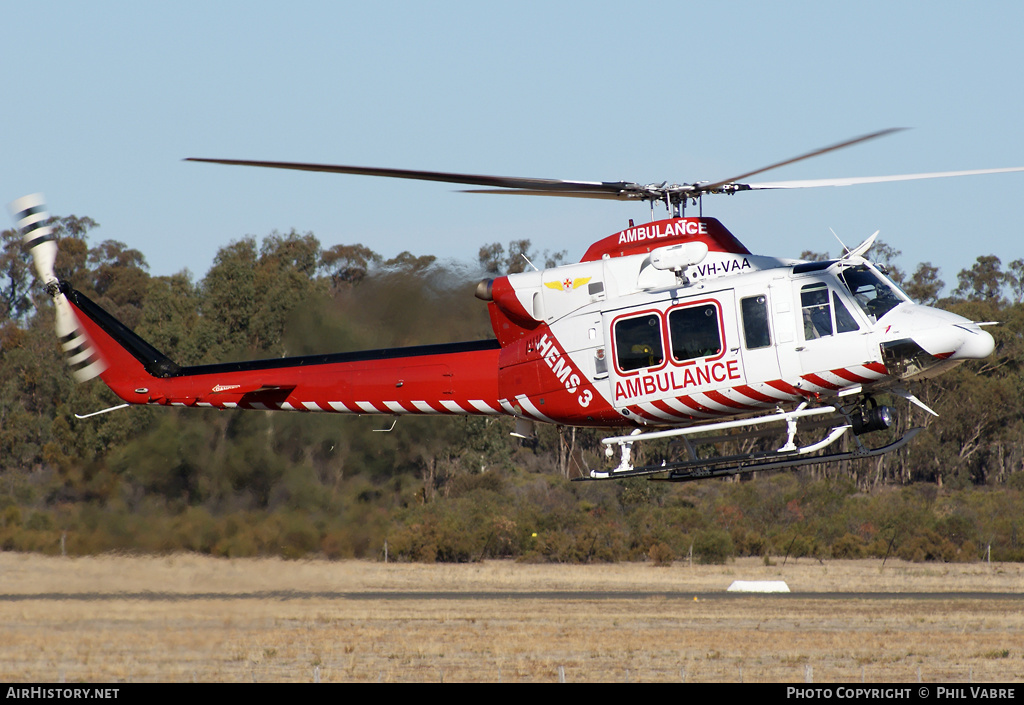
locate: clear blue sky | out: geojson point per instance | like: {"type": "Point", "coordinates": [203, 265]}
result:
{"type": "Point", "coordinates": [104, 99]}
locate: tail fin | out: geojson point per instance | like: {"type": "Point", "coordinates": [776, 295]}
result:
{"type": "Point", "coordinates": [152, 360]}
{"type": "Point", "coordinates": [32, 221]}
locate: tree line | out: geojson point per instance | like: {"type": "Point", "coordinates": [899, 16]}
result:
{"type": "Point", "coordinates": [439, 488]}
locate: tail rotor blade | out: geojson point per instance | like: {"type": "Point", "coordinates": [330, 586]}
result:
{"type": "Point", "coordinates": [82, 357]}
{"type": "Point", "coordinates": [31, 218]}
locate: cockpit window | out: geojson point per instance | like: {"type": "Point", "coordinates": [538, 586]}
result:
{"type": "Point", "coordinates": [817, 314]}
{"type": "Point", "coordinates": [872, 292]}
{"type": "Point", "coordinates": [844, 321]}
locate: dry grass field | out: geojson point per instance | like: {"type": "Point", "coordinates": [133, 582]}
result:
{"type": "Point", "coordinates": [193, 618]}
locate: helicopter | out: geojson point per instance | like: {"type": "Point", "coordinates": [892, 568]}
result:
{"type": "Point", "coordinates": [672, 329]}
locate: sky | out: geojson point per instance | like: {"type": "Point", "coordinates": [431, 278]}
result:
{"type": "Point", "coordinates": [105, 99]}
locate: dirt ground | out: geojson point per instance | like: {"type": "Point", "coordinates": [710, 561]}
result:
{"type": "Point", "coordinates": [193, 618]}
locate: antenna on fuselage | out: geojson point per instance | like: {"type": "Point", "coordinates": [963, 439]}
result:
{"type": "Point", "coordinates": [846, 250]}
{"type": "Point", "coordinates": [529, 262]}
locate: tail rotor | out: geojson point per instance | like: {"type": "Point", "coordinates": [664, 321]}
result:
{"type": "Point", "coordinates": [32, 221]}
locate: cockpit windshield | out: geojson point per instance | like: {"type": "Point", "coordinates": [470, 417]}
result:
{"type": "Point", "coordinates": [874, 293]}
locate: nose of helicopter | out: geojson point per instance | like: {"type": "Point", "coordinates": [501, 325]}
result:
{"type": "Point", "coordinates": [952, 337]}
{"type": "Point", "coordinates": [973, 342]}
{"type": "Point", "coordinates": [925, 341]}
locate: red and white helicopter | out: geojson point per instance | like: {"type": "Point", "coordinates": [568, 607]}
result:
{"type": "Point", "coordinates": [673, 328]}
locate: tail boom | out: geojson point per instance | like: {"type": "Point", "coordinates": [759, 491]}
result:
{"type": "Point", "coordinates": [459, 378]}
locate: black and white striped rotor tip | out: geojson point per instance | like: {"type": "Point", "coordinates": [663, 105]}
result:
{"type": "Point", "coordinates": [32, 220]}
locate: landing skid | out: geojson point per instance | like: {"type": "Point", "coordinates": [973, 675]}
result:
{"type": "Point", "coordinates": [687, 471]}
{"type": "Point", "coordinates": [788, 456]}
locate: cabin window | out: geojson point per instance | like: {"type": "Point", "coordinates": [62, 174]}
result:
{"type": "Point", "coordinates": [756, 333]}
{"type": "Point", "coordinates": [638, 342]}
{"type": "Point", "coordinates": [694, 332]}
{"type": "Point", "coordinates": [817, 313]}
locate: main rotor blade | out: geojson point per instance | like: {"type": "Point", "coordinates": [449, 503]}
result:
{"type": "Point", "coordinates": [851, 181]}
{"type": "Point", "coordinates": [615, 190]}
{"type": "Point", "coordinates": [510, 182]}
{"type": "Point", "coordinates": [626, 194]}
{"type": "Point", "coordinates": [808, 155]}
